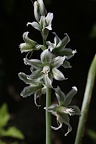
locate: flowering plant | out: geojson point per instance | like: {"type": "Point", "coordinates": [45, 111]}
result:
{"type": "Point", "coordinates": [45, 71]}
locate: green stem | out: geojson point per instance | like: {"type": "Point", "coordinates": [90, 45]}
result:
{"type": "Point", "coordinates": [48, 117]}
{"type": "Point", "coordinates": [86, 101]}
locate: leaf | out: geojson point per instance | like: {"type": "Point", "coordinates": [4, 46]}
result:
{"type": "Point", "coordinates": [12, 132]}
{"type": "Point", "coordinates": [1, 142]}
{"type": "Point", "coordinates": [4, 116]}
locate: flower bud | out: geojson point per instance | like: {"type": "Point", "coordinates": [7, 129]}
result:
{"type": "Point", "coordinates": [36, 11]}
{"type": "Point", "coordinates": [41, 7]}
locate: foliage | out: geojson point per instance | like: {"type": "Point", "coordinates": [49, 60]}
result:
{"type": "Point", "coordinates": [11, 131]}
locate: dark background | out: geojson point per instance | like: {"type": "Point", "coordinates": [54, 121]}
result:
{"type": "Point", "coordinates": [76, 18]}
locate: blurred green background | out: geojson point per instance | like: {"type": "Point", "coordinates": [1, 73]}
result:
{"type": "Point", "coordinates": [77, 18]}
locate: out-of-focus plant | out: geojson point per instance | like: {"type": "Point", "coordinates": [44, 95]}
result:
{"type": "Point", "coordinates": [92, 134]}
{"type": "Point", "coordinates": [86, 101]}
{"type": "Point", "coordinates": [93, 32]}
{"type": "Point", "coordinates": [45, 71]}
{"type": "Point", "coordinates": [6, 131]}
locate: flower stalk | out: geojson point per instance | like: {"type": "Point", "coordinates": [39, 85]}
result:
{"type": "Point", "coordinates": [46, 69]}
{"type": "Point", "coordinates": [48, 117]}
{"type": "Point", "coordinates": [86, 101]}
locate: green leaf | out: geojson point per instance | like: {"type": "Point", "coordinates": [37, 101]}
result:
{"type": "Point", "coordinates": [1, 142]}
{"type": "Point", "coordinates": [92, 134]}
{"type": "Point", "coordinates": [4, 116]}
{"type": "Point", "coordinates": [12, 132]}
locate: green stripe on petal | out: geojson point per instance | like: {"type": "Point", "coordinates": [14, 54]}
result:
{"type": "Point", "coordinates": [66, 64]}
{"type": "Point", "coordinates": [25, 47]}
{"type": "Point", "coordinates": [63, 42]}
{"type": "Point", "coordinates": [64, 118]}
{"type": "Point", "coordinates": [46, 56]}
{"type": "Point", "coordinates": [60, 95]}
{"type": "Point", "coordinates": [41, 7]}
{"type": "Point", "coordinates": [47, 80]}
{"type": "Point", "coordinates": [69, 53]}
{"type": "Point", "coordinates": [52, 108]}
{"type": "Point", "coordinates": [56, 39]}
{"type": "Point", "coordinates": [70, 95]}
{"type": "Point", "coordinates": [37, 75]}
{"type": "Point", "coordinates": [36, 11]}
{"type": "Point", "coordinates": [29, 90]}
{"type": "Point", "coordinates": [33, 62]}
{"type": "Point", "coordinates": [34, 25]}
{"type": "Point", "coordinates": [49, 19]}
{"type": "Point", "coordinates": [25, 78]}
{"type": "Point", "coordinates": [57, 62]}
{"type": "Point", "coordinates": [58, 75]}
{"type": "Point", "coordinates": [28, 40]}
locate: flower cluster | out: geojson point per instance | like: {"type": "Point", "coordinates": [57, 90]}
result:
{"type": "Point", "coordinates": [46, 69]}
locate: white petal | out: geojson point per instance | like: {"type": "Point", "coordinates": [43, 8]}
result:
{"type": "Point", "coordinates": [58, 75]}
{"type": "Point", "coordinates": [46, 56]}
{"type": "Point", "coordinates": [58, 61]}
{"type": "Point", "coordinates": [35, 25]}
{"type": "Point", "coordinates": [56, 128]}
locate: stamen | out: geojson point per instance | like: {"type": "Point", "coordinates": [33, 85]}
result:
{"type": "Point", "coordinates": [69, 111]}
